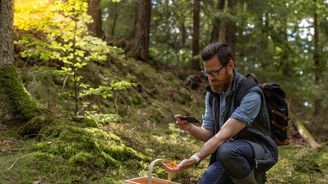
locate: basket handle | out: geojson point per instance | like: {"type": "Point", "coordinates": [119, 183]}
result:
{"type": "Point", "coordinates": [150, 171]}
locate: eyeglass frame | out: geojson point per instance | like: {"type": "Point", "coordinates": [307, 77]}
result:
{"type": "Point", "coordinates": [212, 73]}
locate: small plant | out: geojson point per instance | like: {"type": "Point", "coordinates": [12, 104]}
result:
{"type": "Point", "coordinates": [102, 118]}
{"type": "Point", "coordinates": [58, 32]}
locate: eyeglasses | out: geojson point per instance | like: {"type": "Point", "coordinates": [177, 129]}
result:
{"type": "Point", "coordinates": [212, 73]}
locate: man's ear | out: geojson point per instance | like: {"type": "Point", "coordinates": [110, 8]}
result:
{"type": "Point", "coordinates": [231, 65]}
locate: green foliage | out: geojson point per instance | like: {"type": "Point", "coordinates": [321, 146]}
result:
{"type": "Point", "coordinates": [107, 91]}
{"type": "Point", "coordinates": [275, 41]}
{"type": "Point", "coordinates": [65, 37]}
{"type": "Point", "coordinates": [57, 25]}
{"type": "Point", "coordinates": [102, 118]}
{"type": "Point", "coordinates": [171, 32]}
{"type": "Point", "coordinates": [117, 18]}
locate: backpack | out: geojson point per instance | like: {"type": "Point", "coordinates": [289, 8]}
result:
{"type": "Point", "coordinates": [278, 110]}
{"type": "Point", "coordinates": [276, 104]}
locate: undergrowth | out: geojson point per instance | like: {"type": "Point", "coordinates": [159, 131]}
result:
{"type": "Point", "coordinates": [124, 134]}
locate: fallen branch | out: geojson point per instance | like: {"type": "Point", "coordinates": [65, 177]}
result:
{"type": "Point", "coordinates": [12, 165]}
{"type": "Point", "coordinates": [303, 131]}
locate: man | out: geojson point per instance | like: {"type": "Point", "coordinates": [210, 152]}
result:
{"type": "Point", "coordinates": [237, 134]}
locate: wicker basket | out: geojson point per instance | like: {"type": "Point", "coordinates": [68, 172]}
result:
{"type": "Point", "coordinates": [150, 179]}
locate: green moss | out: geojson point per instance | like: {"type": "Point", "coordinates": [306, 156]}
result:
{"type": "Point", "coordinates": [82, 158]}
{"type": "Point", "coordinates": [85, 122]}
{"type": "Point", "coordinates": [44, 167]}
{"type": "Point", "coordinates": [33, 126]}
{"type": "Point", "coordinates": [298, 164]}
{"type": "Point", "coordinates": [18, 99]}
{"type": "Point", "coordinates": [85, 146]}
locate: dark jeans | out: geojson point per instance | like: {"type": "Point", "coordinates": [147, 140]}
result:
{"type": "Point", "coordinates": [234, 159]}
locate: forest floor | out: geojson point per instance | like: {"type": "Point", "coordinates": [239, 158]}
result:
{"type": "Point", "coordinates": [127, 132]}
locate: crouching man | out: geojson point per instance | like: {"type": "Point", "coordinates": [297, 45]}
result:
{"type": "Point", "coordinates": [236, 125]}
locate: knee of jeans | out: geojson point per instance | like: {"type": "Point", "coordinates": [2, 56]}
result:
{"type": "Point", "coordinates": [206, 177]}
{"type": "Point", "coordinates": [225, 153]}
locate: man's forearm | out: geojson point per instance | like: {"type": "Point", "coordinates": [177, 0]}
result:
{"type": "Point", "coordinates": [200, 133]}
{"type": "Point", "coordinates": [229, 129]}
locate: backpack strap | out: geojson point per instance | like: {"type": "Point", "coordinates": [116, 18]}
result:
{"type": "Point", "coordinates": [252, 76]}
{"type": "Point", "coordinates": [243, 89]}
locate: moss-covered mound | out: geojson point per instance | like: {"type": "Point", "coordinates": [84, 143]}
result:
{"type": "Point", "coordinates": [77, 144]}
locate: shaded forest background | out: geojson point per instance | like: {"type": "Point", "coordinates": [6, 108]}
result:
{"type": "Point", "coordinates": [112, 73]}
{"type": "Point", "coordinates": [281, 41]}
{"type": "Point", "coordinates": [278, 40]}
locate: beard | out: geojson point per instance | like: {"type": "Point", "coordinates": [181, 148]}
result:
{"type": "Point", "coordinates": [219, 86]}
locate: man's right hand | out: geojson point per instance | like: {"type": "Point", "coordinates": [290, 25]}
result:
{"type": "Point", "coordinates": [183, 124]}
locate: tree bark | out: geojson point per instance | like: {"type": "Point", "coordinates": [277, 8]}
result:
{"type": "Point", "coordinates": [242, 37]}
{"type": "Point", "coordinates": [225, 31]}
{"type": "Point", "coordinates": [143, 29]}
{"type": "Point", "coordinates": [132, 34]}
{"type": "Point", "coordinates": [114, 24]}
{"type": "Point", "coordinates": [216, 24]}
{"type": "Point", "coordinates": [195, 35]}
{"type": "Point", "coordinates": [316, 59]}
{"type": "Point", "coordinates": [16, 105]}
{"type": "Point", "coordinates": [94, 11]}
{"type": "Point", "coordinates": [230, 35]}
{"type": "Point", "coordinates": [265, 30]}
{"type": "Point", "coordinates": [183, 31]}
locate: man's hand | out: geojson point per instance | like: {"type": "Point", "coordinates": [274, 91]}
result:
{"type": "Point", "coordinates": [184, 164]}
{"type": "Point", "coordinates": [183, 124]}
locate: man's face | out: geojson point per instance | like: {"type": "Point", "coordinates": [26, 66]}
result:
{"type": "Point", "coordinates": [219, 77]}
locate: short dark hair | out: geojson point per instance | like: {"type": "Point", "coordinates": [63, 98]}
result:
{"type": "Point", "coordinates": [221, 50]}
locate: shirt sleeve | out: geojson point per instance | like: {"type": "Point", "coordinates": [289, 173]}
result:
{"type": "Point", "coordinates": [208, 114]}
{"type": "Point", "coordinates": [248, 109]}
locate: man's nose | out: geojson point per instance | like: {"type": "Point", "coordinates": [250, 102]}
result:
{"type": "Point", "coordinates": [210, 77]}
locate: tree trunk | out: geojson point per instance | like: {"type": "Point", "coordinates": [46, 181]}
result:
{"type": "Point", "coordinates": [242, 37]}
{"type": "Point", "coordinates": [143, 29]}
{"type": "Point", "coordinates": [225, 31]}
{"type": "Point", "coordinates": [222, 32]}
{"type": "Point", "coordinates": [230, 34]}
{"type": "Point", "coordinates": [132, 34]}
{"type": "Point", "coordinates": [16, 105]}
{"type": "Point", "coordinates": [264, 19]}
{"type": "Point", "coordinates": [111, 30]}
{"type": "Point", "coordinates": [285, 65]}
{"type": "Point", "coordinates": [183, 31]}
{"type": "Point", "coordinates": [94, 11]}
{"type": "Point", "coordinates": [216, 24]}
{"type": "Point", "coordinates": [316, 59]}
{"type": "Point", "coordinates": [114, 24]}
{"type": "Point", "coordinates": [195, 35]}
